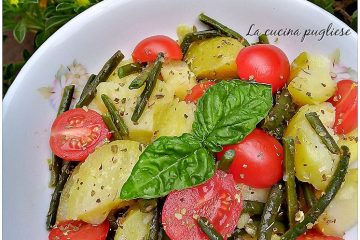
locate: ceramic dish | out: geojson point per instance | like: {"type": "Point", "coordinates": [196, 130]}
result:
{"type": "Point", "coordinates": [93, 36]}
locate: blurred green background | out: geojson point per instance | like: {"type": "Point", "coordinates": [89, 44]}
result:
{"type": "Point", "coordinates": [28, 23]}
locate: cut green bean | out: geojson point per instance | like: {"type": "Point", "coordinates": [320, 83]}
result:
{"type": "Point", "coordinates": [253, 207]}
{"type": "Point", "coordinates": [102, 76]}
{"type": "Point", "coordinates": [309, 194]}
{"type": "Point", "coordinates": [319, 207]}
{"type": "Point", "coordinates": [208, 229]}
{"type": "Point", "coordinates": [116, 135]}
{"type": "Point", "coordinates": [290, 185]}
{"type": "Point", "coordinates": [225, 30]}
{"type": "Point", "coordinates": [149, 87]}
{"type": "Point", "coordinates": [226, 160]}
{"type": "Point", "coordinates": [87, 86]}
{"type": "Point", "coordinates": [155, 224]}
{"type": "Point", "coordinates": [115, 115]}
{"type": "Point", "coordinates": [147, 205]}
{"type": "Point", "coordinates": [55, 198]}
{"type": "Point", "coordinates": [271, 210]}
{"type": "Point", "coordinates": [283, 110]}
{"type": "Point", "coordinates": [56, 162]}
{"type": "Point", "coordinates": [196, 36]}
{"type": "Point", "coordinates": [323, 133]}
{"type": "Point", "coordinates": [128, 69]}
{"type": "Point", "coordinates": [139, 81]}
{"type": "Point", "coordinates": [263, 39]}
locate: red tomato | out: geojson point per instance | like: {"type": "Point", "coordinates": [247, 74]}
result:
{"type": "Point", "coordinates": [258, 160]}
{"type": "Point", "coordinates": [76, 133]}
{"type": "Point", "coordinates": [197, 91]}
{"type": "Point", "coordinates": [217, 200]}
{"type": "Point", "coordinates": [147, 49]}
{"type": "Point", "coordinates": [78, 230]}
{"type": "Point", "coordinates": [345, 102]}
{"type": "Point", "coordinates": [315, 235]}
{"type": "Point", "coordinates": [264, 63]}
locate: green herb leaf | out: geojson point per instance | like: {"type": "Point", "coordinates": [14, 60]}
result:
{"type": "Point", "coordinates": [325, 4]}
{"type": "Point", "coordinates": [20, 31]}
{"type": "Point", "coordinates": [229, 111]}
{"type": "Point", "coordinates": [169, 163]}
{"type": "Point", "coordinates": [56, 22]}
{"type": "Point", "coordinates": [64, 6]}
{"type": "Point", "coordinates": [354, 19]}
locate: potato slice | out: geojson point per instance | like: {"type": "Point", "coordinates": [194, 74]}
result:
{"type": "Point", "coordinates": [135, 225]}
{"type": "Point", "coordinates": [94, 188]}
{"type": "Point", "coordinates": [310, 81]}
{"type": "Point", "coordinates": [214, 58]}
{"type": "Point", "coordinates": [313, 161]}
{"type": "Point", "coordinates": [125, 101]}
{"type": "Point", "coordinates": [253, 194]}
{"type": "Point", "coordinates": [351, 141]}
{"type": "Point", "coordinates": [178, 76]}
{"type": "Point", "coordinates": [341, 214]}
{"type": "Point", "coordinates": [175, 120]}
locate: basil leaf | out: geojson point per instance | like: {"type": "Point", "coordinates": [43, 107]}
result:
{"type": "Point", "coordinates": [169, 163]}
{"type": "Point", "coordinates": [229, 111]}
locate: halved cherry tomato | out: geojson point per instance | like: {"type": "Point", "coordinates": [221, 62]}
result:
{"type": "Point", "coordinates": [258, 160]}
{"type": "Point", "coordinates": [345, 102]}
{"type": "Point", "coordinates": [264, 63]}
{"type": "Point", "coordinates": [217, 200]}
{"type": "Point", "coordinates": [79, 230]}
{"type": "Point", "coordinates": [197, 91]}
{"type": "Point", "coordinates": [147, 49]}
{"type": "Point", "coordinates": [315, 235]}
{"type": "Point", "coordinates": [76, 133]}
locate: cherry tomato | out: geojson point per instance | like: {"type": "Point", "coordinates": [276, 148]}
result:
{"type": "Point", "coordinates": [78, 230]}
{"type": "Point", "coordinates": [147, 49]}
{"type": "Point", "coordinates": [258, 160]}
{"type": "Point", "coordinates": [217, 200]}
{"type": "Point", "coordinates": [345, 102]}
{"type": "Point", "coordinates": [315, 235]}
{"type": "Point", "coordinates": [197, 91]}
{"type": "Point", "coordinates": [76, 133]}
{"type": "Point", "coordinates": [264, 63]}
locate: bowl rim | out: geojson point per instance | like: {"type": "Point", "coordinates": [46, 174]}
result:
{"type": "Point", "coordinates": [84, 17]}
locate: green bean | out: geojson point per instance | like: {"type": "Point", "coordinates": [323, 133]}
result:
{"type": "Point", "coordinates": [140, 80]}
{"type": "Point", "coordinates": [226, 160]}
{"type": "Point", "coordinates": [149, 87]}
{"type": "Point", "coordinates": [279, 115]}
{"type": "Point", "coordinates": [263, 39]}
{"type": "Point", "coordinates": [87, 86]}
{"type": "Point", "coordinates": [115, 115]}
{"type": "Point", "coordinates": [55, 198]}
{"type": "Point", "coordinates": [128, 69]}
{"type": "Point", "coordinates": [271, 209]}
{"type": "Point", "coordinates": [276, 228]}
{"type": "Point", "coordinates": [309, 194]}
{"type": "Point", "coordinates": [56, 162]}
{"type": "Point", "coordinates": [319, 207]}
{"type": "Point", "coordinates": [102, 76]}
{"type": "Point", "coordinates": [155, 224]}
{"type": "Point", "coordinates": [225, 30]}
{"type": "Point", "coordinates": [111, 126]}
{"type": "Point", "coordinates": [290, 185]}
{"type": "Point", "coordinates": [321, 130]}
{"type": "Point", "coordinates": [253, 207]}
{"type": "Point", "coordinates": [196, 36]}
{"type": "Point", "coordinates": [147, 205]}
{"type": "Point", "coordinates": [208, 229]}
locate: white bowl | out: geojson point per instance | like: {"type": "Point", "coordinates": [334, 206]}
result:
{"type": "Point", "coordinates": [91, 38]}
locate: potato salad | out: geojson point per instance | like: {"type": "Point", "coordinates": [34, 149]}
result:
{"type": "Point", "coordinates": [206, 137]}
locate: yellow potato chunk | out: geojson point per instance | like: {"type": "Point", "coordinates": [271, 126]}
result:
{"type": "Point", "coordinates": [175, 120]}
{"type": "Point", "coordinates": [351, 141]}
{"type": "Point", "coordinates": [341, 214]}
{"type": "Point", "coordinates": [214, 58]}
{"type": "Point", "coordinates": [310, 81]}
{"type": "Point", "coordinates": [93, 189]}
{"type": "Point", "coordinates": [178, 76]}
{"type": "Point", "coordinates": [314, 163]}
